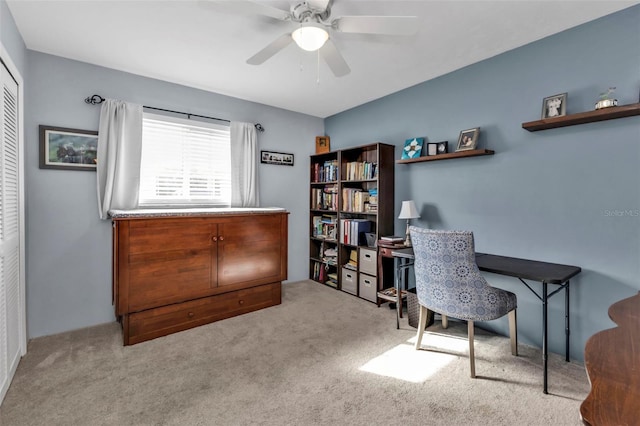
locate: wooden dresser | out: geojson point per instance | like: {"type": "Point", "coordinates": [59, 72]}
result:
{"type": "Point", "coordinates": [612, 360]}
{"type": "Point", "coordinates": [182, 269]}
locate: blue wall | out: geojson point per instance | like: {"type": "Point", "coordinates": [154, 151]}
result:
{"type": "Point", "coordinates": [68, 248]}
{"type": "Point", "coordinates": [10, 38]}
{"type": "Point", "coordinates": [566, 195]}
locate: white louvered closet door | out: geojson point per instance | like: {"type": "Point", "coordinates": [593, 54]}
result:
{"type": "Point", "coordinates": [11, 305]}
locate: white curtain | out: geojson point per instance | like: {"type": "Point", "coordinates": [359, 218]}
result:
{"type": "Point", "coordinates": [244, 170]}
{"type": "Point", "coordinates": [119, 149]}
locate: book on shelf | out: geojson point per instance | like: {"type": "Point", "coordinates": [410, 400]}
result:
{"type": "Point", "coordinates": [352, 231]}
{"type": "Point", "coordinates": [353, 260]}
{"type": "Point", "coordinates": [363, 170]}
{"type": "Point", "coordinates": [332, 279]}
{"type": "Point", "coordinates": [324, 227]}
{"type": "Point", "coordinates": [325, 198]}
{"type": "Point", "coordinates": [327, 172]}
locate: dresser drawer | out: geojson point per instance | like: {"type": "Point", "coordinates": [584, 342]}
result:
{"type": "Point", "coordinates": [386, 251]}
{"type": "Point", "coordinates": [152, 323]}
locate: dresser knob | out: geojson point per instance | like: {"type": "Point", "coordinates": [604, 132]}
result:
{"type": "Point", "coordinates": [214, 238]}
{"type": "Point", "coordinates": [190, 314]}
{"type": "Point", "coordinates": [240, 302]}
{"type": "Point", "coordinates": [221, 238]}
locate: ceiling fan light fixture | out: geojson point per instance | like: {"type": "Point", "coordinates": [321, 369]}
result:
{"type": "Point", "coordinates": [310, 37]}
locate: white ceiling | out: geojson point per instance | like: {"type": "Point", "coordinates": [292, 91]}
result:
{"type": "Point", "coordinates": [206, 46]}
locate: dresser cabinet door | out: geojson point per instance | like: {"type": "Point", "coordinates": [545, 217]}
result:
{"type": "Point", "coordinates": [251, 250]}
{"type": "Point", "coordinates": [169, 261]}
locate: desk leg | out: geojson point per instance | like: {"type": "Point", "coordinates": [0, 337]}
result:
{"type": "Point", "coordinates": [567, 329]}
{"type": "Point", "coordinates": [544, 336]}
{"type": "Point", "coordinates": [400, 270]}
{"type": "Point", "coordinates": [396, 283]}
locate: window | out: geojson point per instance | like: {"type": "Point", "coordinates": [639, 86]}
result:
{"type": "Point", "coordinates": [184, 162]}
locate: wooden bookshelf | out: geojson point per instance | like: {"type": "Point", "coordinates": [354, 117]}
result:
{"type": "Point", "coordinates": [448, 156]}
{"type": "Point", "coordinates": [353, 170]}
{"type": "Point", "coordinates": [583, 117]}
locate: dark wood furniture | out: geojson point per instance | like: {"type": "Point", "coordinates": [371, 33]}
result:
{"type": "Point", "coordinates": [360, 277]}
{"type": "Point", "coordinates": [583, 117]}
{"type": "Point", "coordinates": [612, 361]}
{"type": "Point", "coordinates": [448, 156]}
{"type": "Point", "coordinates": [525, 269]}
{"type": "Point", "coordinates": [403, 259]}
{"type": "Point", "coordinates": [173, 272]}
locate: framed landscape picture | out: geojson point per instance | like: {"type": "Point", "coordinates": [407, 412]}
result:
{"type": "Point", "coordinates": [68, 149]}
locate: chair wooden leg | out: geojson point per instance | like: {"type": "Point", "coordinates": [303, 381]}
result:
{"type": "Point", "coordinates": [472, 359]}
{"type": "Point", "coordinates": [513, 332]}
{"type": "Point", "coordinates": [422, 323]}
{"type": "Point", "coordinates": [445, 321]}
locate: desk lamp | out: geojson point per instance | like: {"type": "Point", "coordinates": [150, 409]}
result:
{"type": "Point", "coordinates": [408, 211]}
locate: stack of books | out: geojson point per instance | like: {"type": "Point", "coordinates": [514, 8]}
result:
{"type": "Point", "coordinates": [372, 206]}
{"type": "Point", "coordinates": [332, 279]}
{"type": "Point", "coordinates": [392, 240]}
{"type": "Point", "coordinates": [330, 256]}
{"type": "Point", "coordinates": [353, 261]}
{"type": "Point", "coordinates": [324, 227]}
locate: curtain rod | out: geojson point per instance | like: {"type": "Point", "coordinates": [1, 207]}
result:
{"type": "Point", "coordinates": [97, 100]}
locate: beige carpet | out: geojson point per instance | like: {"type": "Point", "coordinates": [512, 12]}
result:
{"type": "Point", "coordinates": [322, 357]}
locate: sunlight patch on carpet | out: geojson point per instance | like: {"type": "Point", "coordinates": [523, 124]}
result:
{"type": "Point", "coordinates": [403, 362]}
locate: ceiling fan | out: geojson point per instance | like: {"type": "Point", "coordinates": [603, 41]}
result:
{"type": "Point", "coordinates": [314, 18]}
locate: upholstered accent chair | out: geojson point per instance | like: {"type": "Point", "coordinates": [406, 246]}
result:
{"type": "Point", "coordinates": [449, 282]}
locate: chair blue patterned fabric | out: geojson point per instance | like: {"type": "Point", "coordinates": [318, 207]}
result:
{"type": "Point", "coordinates": [449, 282]}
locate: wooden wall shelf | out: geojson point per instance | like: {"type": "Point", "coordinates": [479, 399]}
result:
{"type": "Point", "coordinates": [583, 117]}
{"type": "Point", "coordinates": [448, 156]}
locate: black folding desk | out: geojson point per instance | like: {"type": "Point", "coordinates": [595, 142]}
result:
{"type": "Point", "coordinates": [544, 272]}
{"type": "Point", "coordinates": [523, 269]}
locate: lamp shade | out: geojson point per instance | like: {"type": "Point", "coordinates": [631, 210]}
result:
{"type": "Point", "coordinates": [409, 210]}
{"type": "Point", "coordinates": [310, 37]}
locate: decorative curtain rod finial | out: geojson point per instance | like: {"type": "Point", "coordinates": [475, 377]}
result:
{"type": "Point", "coordinates": [94, 100]}
{"type": "Point", "coordinates": [259, 127]}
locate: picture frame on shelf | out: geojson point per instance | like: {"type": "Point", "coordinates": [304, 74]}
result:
{"type": "Point", "coordinates": [277, 158]}
{"type": "Point", "coordinates": [554, 106]}
{"type": "Point", "coordinates": [412, 148]}
{"type": "Point", "coordinates": [468, 139]}
{"type": "Point", "coordinates": [436, 148]}
{"type": "Point", "coordinates": [323, 144]}
{"type": "Point", "coordinates": [68, 149]}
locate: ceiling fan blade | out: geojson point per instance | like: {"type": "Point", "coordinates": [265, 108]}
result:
{"type": "Point", "coordinates": [248, 8]}
{"type": "Point", "coordinates": [318, 4]}
{"type": "Point", "coordinates": [390, 25]}
{"type": "Point", "coordinates": [334, 59]}
{"type": "Point", "coordinates": [272, 48]}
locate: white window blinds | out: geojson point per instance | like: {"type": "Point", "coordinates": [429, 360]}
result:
{"type": "Point", "coordinates": [184, 162]}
